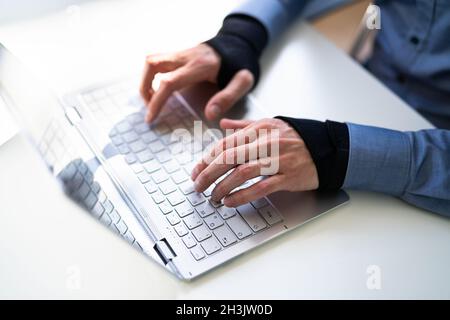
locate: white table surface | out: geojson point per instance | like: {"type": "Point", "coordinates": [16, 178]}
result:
{"type": "Point", "coordinates": [46, 242]}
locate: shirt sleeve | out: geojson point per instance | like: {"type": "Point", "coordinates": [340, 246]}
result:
{"type": "Point", "coordinates": [414, 166]}
{"type": "Point", "coordinates": [277, 15]}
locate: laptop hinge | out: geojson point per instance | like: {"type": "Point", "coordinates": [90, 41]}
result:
{"type": "Point", "coordinates": [73, 115]}
{"type": "Point", "coordinates": [164, 250]}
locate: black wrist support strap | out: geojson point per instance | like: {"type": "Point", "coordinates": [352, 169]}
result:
{"type": "Point", "coordinates": [240, 43]}
{"type": "Point", "coordinates": [328, 144]}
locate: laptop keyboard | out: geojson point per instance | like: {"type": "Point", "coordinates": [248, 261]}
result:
{"type": "Point", "coordinates": [163, 163]}
{"type": "Point", "coordinates": [79, 184]}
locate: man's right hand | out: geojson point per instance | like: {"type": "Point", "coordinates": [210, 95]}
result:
{"type": "Point", "coordinates": [188, 67]}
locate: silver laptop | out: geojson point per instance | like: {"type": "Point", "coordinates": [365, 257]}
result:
{"type": "Point", "coordinates": [135, 178]}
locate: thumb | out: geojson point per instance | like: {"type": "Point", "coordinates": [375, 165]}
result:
{"type": "Point", "coordinates": [222, 101]}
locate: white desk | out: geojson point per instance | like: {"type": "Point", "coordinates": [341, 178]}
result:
{"type": "Point", "coordinates": [45, 241]}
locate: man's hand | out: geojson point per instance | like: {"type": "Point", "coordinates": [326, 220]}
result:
{"type": "Point", "coordinates": [295, 167]}
{"type": "Point", "coordinates": [186, 68]}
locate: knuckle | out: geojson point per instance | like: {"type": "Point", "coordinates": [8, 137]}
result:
{"type": "Point", "coordinates": [244, 170]}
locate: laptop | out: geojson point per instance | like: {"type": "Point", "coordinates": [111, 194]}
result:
{"type": "Point", "coordinates": [134, 177]}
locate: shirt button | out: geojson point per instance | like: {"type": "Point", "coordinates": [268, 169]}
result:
{"type": "Point", "coordinates": [414, 40]}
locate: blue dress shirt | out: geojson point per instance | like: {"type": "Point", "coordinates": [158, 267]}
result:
{"type": "Point", "coordinates": [412, 57]}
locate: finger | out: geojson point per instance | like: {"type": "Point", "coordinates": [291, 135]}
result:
{"type": "Point", "coordinates": [236, 178]}
{"type": "Point", "coordinates": [222, 101]}
{"type": "Point", "coordinates": [156, 64]}
{"type": "Point", "coordinates": [236, 139]}
{"type": "Point", "coordinates": [228, 159]}
{"type": "Point", "coordinates": [234, 124]}
{"type": "Point", "coordinates": [258, 190]}
{"type": "Point", "coordinates": [179, 78]}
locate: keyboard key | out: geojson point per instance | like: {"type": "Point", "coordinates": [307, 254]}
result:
{"type": "Point", "coordinates": [152, 166]}
{"type": "Point", "coordinates": [130, 158]}
{"type": "Point", "coordinates": [123, 126]}
{"type": "Point", "coordinates": [135, 118]}
{"type": "Point", "coordinates": [173, 218]}
{"type": "Point", "coordinates": [184, 209]}
{"type": "Point", "coordinates": [130, 136]}
{"type": "Point", "coordinates": [213, 221]}
{"type": "Point", "coordinates": [175, 198]}
{"type": "Point", "coordinates": [137, 246]}
{"type": "Point", "coordinates": [137, 167]}
{"type": "Point", "coordinates": [189, 241]}
{"type": "Point", "coordinates": [158, 197]}
{"type": "Point", "coordinates": [226, 212]}
{"type": "Point", "coordinates": [90, 201]}
{"type": "Point", "coordinates": [105, 219]}
{"type": "Point", "coordinates": [187, 187]}
{"type": "Point", "coordinates": [149, 137]}
{"type": "Point", "coordinates": [192, 221]}
{"type": "Point", "coordinates": [167, 187]}
{"type": "Point", "coordinates": [159, 176]}
{"type": "Point", "coordinates": [239, 227]}
{"type": "Point", "coordinates": [129, 236]}
{"type": "Point", "coordinates": [97, 210]}
{"type": "Point", "coordinates": [144, 156]}
{"type": "Point", "coordinates": [137, 146]}
{"type": "Point", "coordinates": [225, 236]}
{"type": "Point", "coordinates": [142, 128]}
{"type": "Point", "coordinates": [201, 233]}
{"type": "Point", "coordinates": [197, 253]}
{"type": "Point", "coordinates": [143, 177]}
{"type": "Point", "coordinates": [83, 191]}
{"type": "Point", "coordinates": [156, 146]}
{"type": "Point", "coordinates": [168, 139]}
{"type": "Point", "coordinates": [171, 166]}
{"type": "Point", "coordinates": [108, 206]}
{"type": "Point", "coordinates": [260, 203]}
{"type": "Point", "coordinates": [184, 158]}
{"type": "Point", "coordinates": [179, 177]}
{"type": "Point", "coordinates": [117, 140]}
{"type": "Point", "coordinates": [163, 156]}
{"type": "Point", "coordinates": [211, 245]}
{"type": "Point", "coordinates": [115, 217]}
{"type": "Point", "coordinates": [165, 208]}
{"type": "Point", "coordinates": [196, 198]}
{"type": "Point", "coordinates": [205, 209]}
{"type": "Point", "coordinates": [270, 215]}
{"type": "Point", "coordinates": [151, 187]}
{"type": "Point", "coordinates": [176, 148]}
{"type": "Point", "coordinates": [252, 217]}
{"type": "Point", "coordinates": [122, 227]}
{"type": "Point", "coordinates": [181, 229]}
{"type": "Point", "coordinates": [123, 149]}
{"type": "Point", "coordinates": [101, 196]}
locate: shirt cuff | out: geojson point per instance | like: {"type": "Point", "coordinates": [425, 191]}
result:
{"type": "Point", "coordinates": [328, 144]}
{"type": "Point", "coordinates": [379, 160]}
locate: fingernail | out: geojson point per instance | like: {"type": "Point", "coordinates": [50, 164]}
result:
{"type": "Point", "coordinates": [215, 109]}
